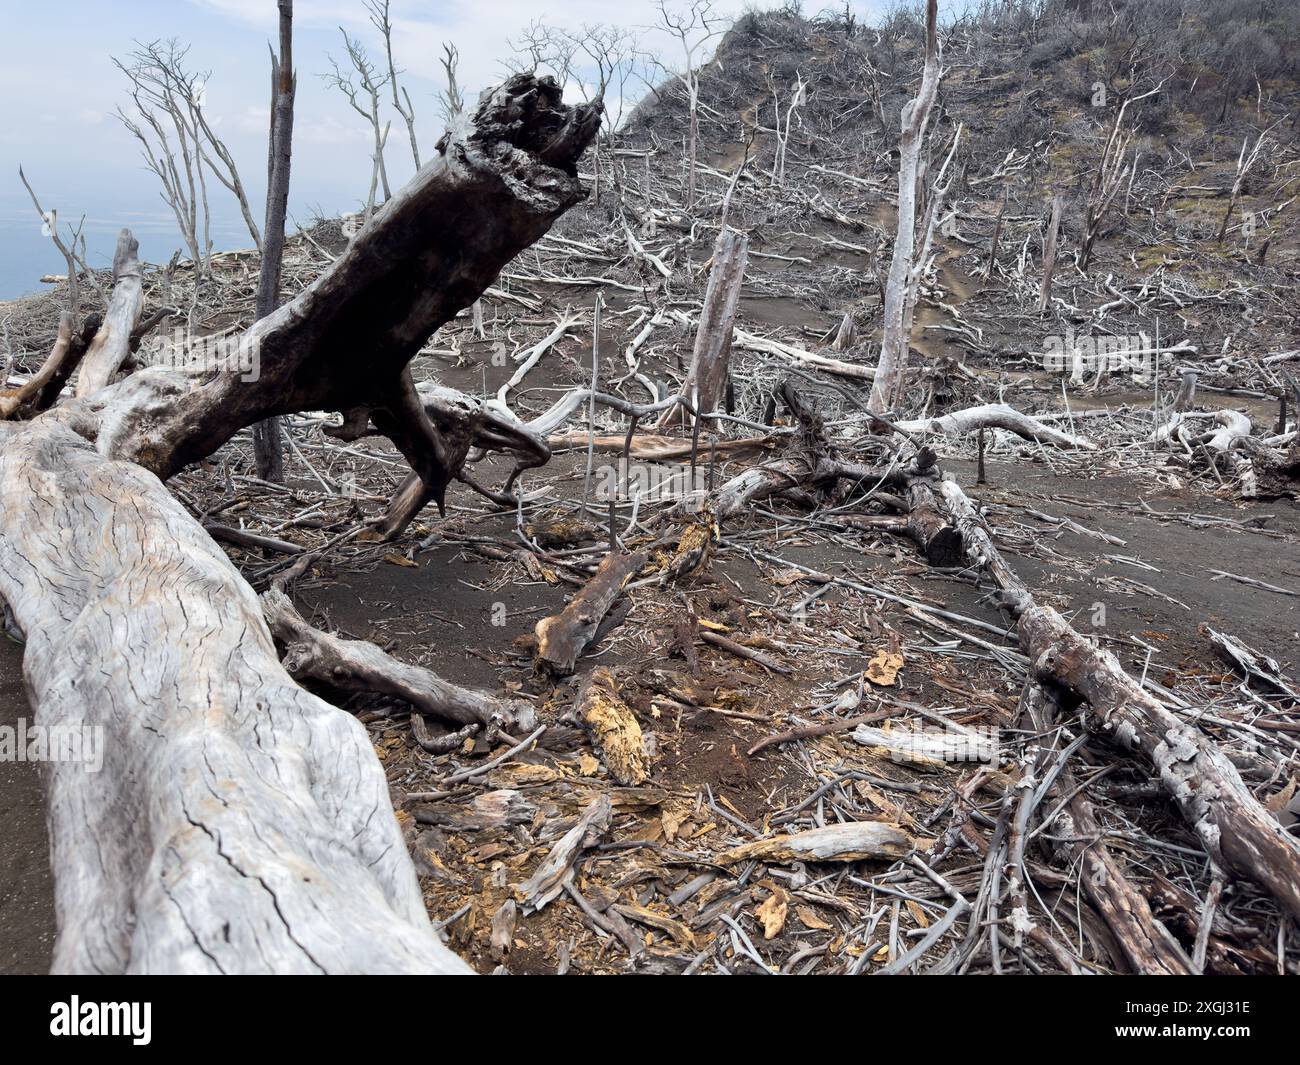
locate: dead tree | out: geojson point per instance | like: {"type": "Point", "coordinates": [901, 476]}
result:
{"type": "Point", "coordinates": [1244, 164]}
{"type": "Point", "coordinates": [74, 259]}
{"type": "Point", "coordinates": [1049, 254]}
{"type": "Point", "coordinates": [997, 232]}
{"type": "Point", "coordinates": [451, 98]}
{"type": "Point", "coordinates": [379, 17]}
{"type": "Point", "coordinates": [112, 343]}
{"type": "Point", "coordinates": [706, 382]}
{"type": "Point", "coordinates": [1112, 170]}
{"type": "Point", "coordinates": [239, 823]}
{"type": "Point", "coordinates": [167, 96]}
{"type": "Point", "coordinates": [361, 88]}
{"type": "Point", "coordinates": [693, 27]}
{"type": "Point", "coordinates": [268, 451]}
{"type": "Point", "coordinates": [798, 95]}
{"type": "Point", "coordinates": [898, 289]}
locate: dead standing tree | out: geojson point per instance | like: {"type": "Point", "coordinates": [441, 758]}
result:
{"type": "Point", "coordinates": [380, 18]}
{"type": "Point", "coordinates": [706, 383]}
{"type": "Point", "coordinates": [169, 100]}
{"type": "Point", "coordinates": [692, 27]}
{"type": "Point", "coordinates": [1112, 174]}
{"type": "Point", "coordinates": [362, 95]}
{"type": "Point", "coordinates": [890, 371]}
{"type": "Point", "coordinates": [1049, 254]}
{"type": "Point", "coordinates": [239, 823]}
{"type": "Point", "coordinates": [267, 447]}
{"type": "Point", "coordinates": [1244, 165]}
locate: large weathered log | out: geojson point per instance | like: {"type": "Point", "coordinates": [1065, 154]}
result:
{"type": "Point", "coordinates": [240, 824]}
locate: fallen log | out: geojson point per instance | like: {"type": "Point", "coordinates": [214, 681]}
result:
{"type": "Point", "coordinates": [614, 729]}
{"type": "Point", "coordinates": [1147, 946]}
{"type": "Point", "coordinates": [750, 342]}
{"type": "Point", "coordinates": [240, 824]}
{"type": "Point", "coordinates": [562, 637]}
{"type": "Point", "coordinates": [1237, 831]}
{"type": "Point", "coordinates": [237, 824]}
{"type": "Point", "coordinates": [849, 842]}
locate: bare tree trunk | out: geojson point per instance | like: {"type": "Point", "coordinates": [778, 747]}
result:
{"type": "Point", "coordinates": [706, 383]}
{"type": "Point", "coordinates": [268, 448]}
{"type": "Point", "coordinates": [112, 343]}
{"type": "Point", "coordinates": [1049, 254]}
{"type": "Point", "coordinates": [916, 116]}
{"type": "Point", "coordinates": [690, 152]}
{"type": "Point", "coordinates": [240, 824]}
{"type": "Point", "coordinates": [997, 233]}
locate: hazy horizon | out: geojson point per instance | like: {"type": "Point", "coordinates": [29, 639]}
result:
{"type": "Point", "coordinates": [82, 162]}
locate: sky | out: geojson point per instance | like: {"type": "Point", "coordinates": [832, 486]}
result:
{"type": "Point", "coordinates": [60, 89]}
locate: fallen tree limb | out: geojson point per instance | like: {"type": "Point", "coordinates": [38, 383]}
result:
{"type": "Point", "coordinates": [356, 665]}
{"type": "Point", "coordinates": [39, 391]}
{"type": "Point", "coordinates": [996, 416]}
{"type": "Point", "coordinates": [849, 842]}
{"type": "Point", "coordinates": [1147, 945]}
{"type": "Point", "coordinates": [1237, 831]}
{"type": "Point", "coordinates": [562, 637]}
{"type": "Point", "coordinates": [546, 883]}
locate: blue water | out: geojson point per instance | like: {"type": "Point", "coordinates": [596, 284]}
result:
{"type": "Point", "coordinates": [26, 252]}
